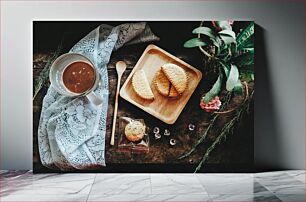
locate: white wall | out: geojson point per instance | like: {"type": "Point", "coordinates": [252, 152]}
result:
{"type": "Point", "coordinates": [280, 73]}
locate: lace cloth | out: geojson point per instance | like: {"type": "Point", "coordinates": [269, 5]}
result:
{"type": "Point", "coordinates": [71, 132]}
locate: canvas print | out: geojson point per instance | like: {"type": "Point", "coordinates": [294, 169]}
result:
{"type": "Point", "coordinates": [151, 96]}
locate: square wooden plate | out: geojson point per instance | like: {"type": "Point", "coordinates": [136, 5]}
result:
{"type": "Point", "coordinates": [165, 109]}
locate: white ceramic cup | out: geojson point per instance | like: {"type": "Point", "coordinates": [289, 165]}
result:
{"type": "Point", "coordinates": [56, 72]}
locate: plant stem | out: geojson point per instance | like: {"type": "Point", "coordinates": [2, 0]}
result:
{"type": "Point", "coordinates": [244, 100]}
{"type": "Point", "coordinates": [201, 139]}
{"type": "Point", "coordinates": [200, 47]}
{"type": "Point", "coordinates": [227, 99]}
{"type": "Point", "coordinates": [226, 129]}
{"type": "Point", "coordinates": [204, 52]}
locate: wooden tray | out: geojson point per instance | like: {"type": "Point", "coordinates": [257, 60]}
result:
{"type": "Point", "coordinates": [165, 109]}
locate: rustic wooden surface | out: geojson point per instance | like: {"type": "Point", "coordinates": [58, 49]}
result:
{"type": "Point", "coordinates": [238, 149]}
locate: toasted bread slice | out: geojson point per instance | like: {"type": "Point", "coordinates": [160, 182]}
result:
{"type": "Point", "coordinates": [141, 85]}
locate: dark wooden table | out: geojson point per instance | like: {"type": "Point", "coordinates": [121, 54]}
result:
{"type": "Point", "coordinates": [235, 154]}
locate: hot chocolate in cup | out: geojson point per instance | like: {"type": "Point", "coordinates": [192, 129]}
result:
{"type": "Point", "coordinates": [78, 77]}
{"type": "Point", "coordinates": [74, 75]}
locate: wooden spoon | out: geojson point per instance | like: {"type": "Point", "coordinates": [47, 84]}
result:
{"type": "Point", "coordinates": [120, 68]}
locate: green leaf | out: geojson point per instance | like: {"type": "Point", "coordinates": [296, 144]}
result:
{"type": "Point", "coordinates": [248, 44]}
{"type": "Point", "coordinates": [244, 36]}
{"type": "Point", "coordinates": [214, 91]}
{"type": "Point", "coordinates": [247, 76]}
{"type": "Point", "coordinates": [217, 42]}
{"type": "Point", "coordinates": [227, 33]}
{"type": "Point", "coordinates": [252, 77]}
{"type": "Point", "coordinates": [226, 69]}
{"type": "Point", "coordinates": [233, 78]}
{"type": "Point", "coordinates": [249, 50]}
{"type": "Point", "coordinates": [205, 31]}
{"type": "Point", "coordinates": [245, 59]}
{"type": "Point", "coordinates": [227, 39]}
{"type": "Point", "coordinates": [195, 42]}
{"type": "Point", "coordinates": [238, 88]}
{"type": "Point", "coordinates": [229, 51]}
{"type": "Point", "coordinates": [233, 48]}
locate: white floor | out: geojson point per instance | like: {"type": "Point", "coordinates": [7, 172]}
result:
{"type": "Point", "coordinates": [272, 186]}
